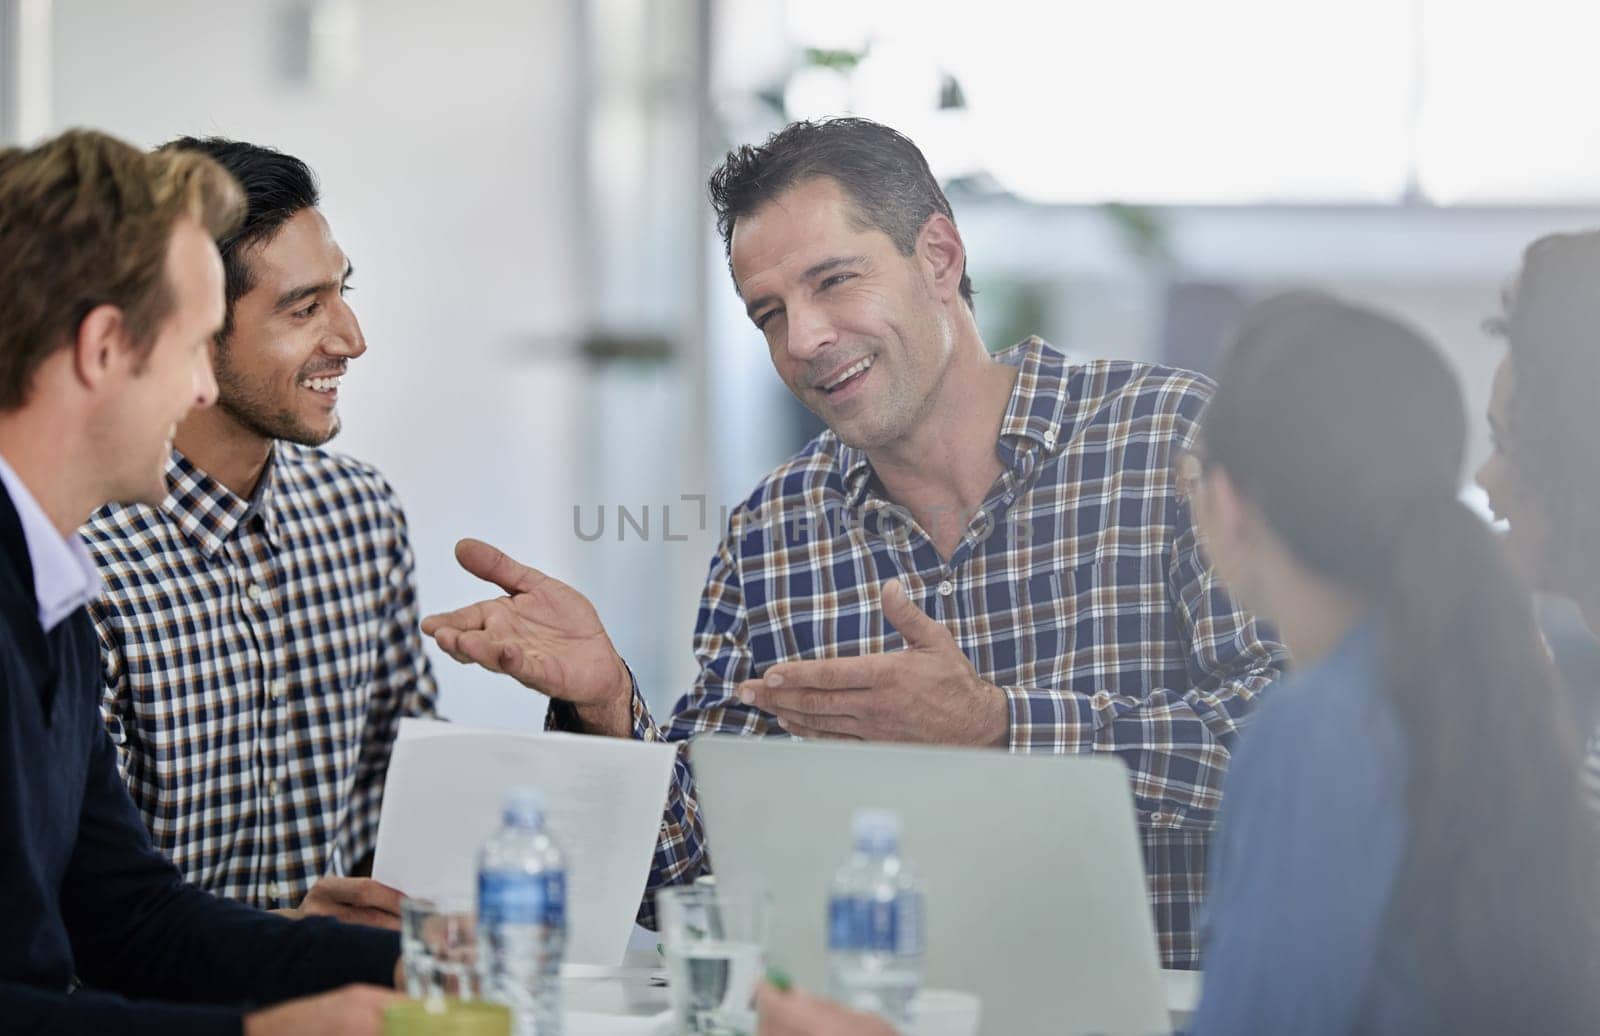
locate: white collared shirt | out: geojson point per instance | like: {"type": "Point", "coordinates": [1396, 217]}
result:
{"type": "Point", "coordinates": [64, 575]}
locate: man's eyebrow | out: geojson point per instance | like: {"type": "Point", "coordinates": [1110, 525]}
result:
{"type": "Point", "coordinates": [297, 295]}
{"type": "Point", "coordinates": [826, 266]}
{"type": "Point", "coordinates": [757, 303]}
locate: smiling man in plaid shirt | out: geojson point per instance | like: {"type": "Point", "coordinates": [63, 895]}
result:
{"type": "Point", "coordinates": [980, 550]}
{"type": "Point", "coordinates": [260, 626]}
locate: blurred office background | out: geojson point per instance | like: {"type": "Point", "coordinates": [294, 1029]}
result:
{"type": "Point", "coordinates": [558, 363]}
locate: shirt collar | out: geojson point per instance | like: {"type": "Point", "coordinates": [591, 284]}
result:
{"type": "Point", "coordinates": [1035, 419]}
{"type": "Point", "coordinates": [64, 575]}
{"type": "Point", "coordinates": [208, 512]}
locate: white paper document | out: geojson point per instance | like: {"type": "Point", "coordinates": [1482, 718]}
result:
{"type": "Point", "coordinates": [604, 798]}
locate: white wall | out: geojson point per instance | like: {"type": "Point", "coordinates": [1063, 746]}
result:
{"type": "Point", "coordinates": [447, 162]}
{"type": "Point", "coordinates": [1441, 267]}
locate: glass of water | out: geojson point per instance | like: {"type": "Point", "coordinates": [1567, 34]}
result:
{"type": "Point", "coordinates": [439, 948]}
{"type": "Point", "coordinates": [715, 943]}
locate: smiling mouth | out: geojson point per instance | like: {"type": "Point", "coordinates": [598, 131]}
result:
{"type": "Point", "coordinates": [328, 385]}
{"type": "Point", "coordinates": [847, 377]}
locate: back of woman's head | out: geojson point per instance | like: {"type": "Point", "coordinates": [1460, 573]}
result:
{"type": "Point", "coordinates": [1337, 423]}
{"type": "Point", "coordinates": [1552, 323]}
{"type": "Point", "coordinates": [1344, 428]}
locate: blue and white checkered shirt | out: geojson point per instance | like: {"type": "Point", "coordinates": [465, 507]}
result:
{"type": "Point", "coordinates": [1078, 588]}
{"type": "Point", "coordinates": [258, 657]}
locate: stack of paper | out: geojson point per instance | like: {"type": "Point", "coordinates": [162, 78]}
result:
{"type": "Point", "coordinates": [604, 798]}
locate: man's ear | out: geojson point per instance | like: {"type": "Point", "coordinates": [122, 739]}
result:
{"type": "Point", "coordinates": [101, 347]}
{"type": "Point", "coordinates": [943, 254]}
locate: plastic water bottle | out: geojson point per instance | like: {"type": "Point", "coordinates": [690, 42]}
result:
{"type": "Point", "coordinates": [522, 916]}
{"type": "Point", "coordinates": [875, 923]}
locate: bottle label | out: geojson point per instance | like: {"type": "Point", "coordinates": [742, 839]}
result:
{"type": "Point", "coordinates": [909, 926]}
{"type": "Point", "coordinates": [539, 899]}
{"type": "Point", "coordinates": [875, 925]}
{"type": "Point", "coordinates": [842, 922]}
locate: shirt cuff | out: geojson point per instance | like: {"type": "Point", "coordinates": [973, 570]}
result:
{"type": "Point", "coordinates": [563, 716]}
{"type": "Point", "coordinates": [1043, 720]}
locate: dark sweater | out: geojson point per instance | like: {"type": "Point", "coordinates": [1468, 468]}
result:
{"type": "Point", "coordinates": [85, 893]}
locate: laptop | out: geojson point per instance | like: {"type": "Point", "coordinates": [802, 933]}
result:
{"type": "Point", "coordinates": [1035, 890]}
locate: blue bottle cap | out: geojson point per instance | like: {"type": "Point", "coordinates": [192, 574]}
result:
{"type": "Point", "coordinates": [523, 806]}
{"type": "Point", "coordinates": [876, 831]}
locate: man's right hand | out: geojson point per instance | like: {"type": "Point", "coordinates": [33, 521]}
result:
{"type": "Point", "coordinates": [544, 634]}
{"type": "Point", "coordinates": [353, 1010]}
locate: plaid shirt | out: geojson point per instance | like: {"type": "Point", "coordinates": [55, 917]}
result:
{"type": "Point", "coordinates": [258, 657]}
{"type": "Point", "coordinates": [1077, 588]}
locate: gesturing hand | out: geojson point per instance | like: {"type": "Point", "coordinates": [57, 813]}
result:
{"type": "Point", "coordinates": [927, 692]}
{"type": "Point", "coordinates": [544, 633]}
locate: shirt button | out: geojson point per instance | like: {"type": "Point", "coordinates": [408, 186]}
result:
{"type": "Point", "coordinates": [274, 788]}
{"type": "Point", "coordinates": [946, 588]}
{"type": "Point", "coordinates": [274, 891]}
{"type": "Point", "coordinates": [276, 690]}
{"type": "Point", "coordinates": [1101, 699]}
{"type": "Point", "coordinates": [1050, 439]}
{"type": "Point", "coordinates": [254, 591]}
{"type": "Point", "coordinates": [1158, 818]}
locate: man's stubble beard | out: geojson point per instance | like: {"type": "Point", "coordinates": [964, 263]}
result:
{"type": "Point", "coordinates": [237, 399]}
{"type": "Point", "coordinates": [901, 415]}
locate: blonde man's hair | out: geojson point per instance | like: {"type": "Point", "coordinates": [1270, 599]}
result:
{"type": "Point", "coordinates": [85, 221]}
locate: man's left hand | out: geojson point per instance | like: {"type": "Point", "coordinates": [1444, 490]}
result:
{"type": "Point", "coordinates": [927, 692]}
{"type": "Point", "coordinates": [353, 901]}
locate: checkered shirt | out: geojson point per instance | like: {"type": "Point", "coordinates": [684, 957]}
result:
{"type": "Point", "coordinates": [258, 657]}
{"type": "Point", "coordinates": [1077, 588]}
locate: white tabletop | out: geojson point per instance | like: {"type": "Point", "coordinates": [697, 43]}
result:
{"type": "Point", "coordinates": [592, 995]}
{"type": "Point", "coordinates": [628, 1000]}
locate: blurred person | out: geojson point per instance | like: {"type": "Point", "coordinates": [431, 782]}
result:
{"type": "Point", "coordinates": [111, 287]}
{"type": "Point", "coordinates": [979, 550]}
{"type": "Point", "coordinates": [1543, 476]}
{"type": "Point", "coordinates": [1397, 851]}
{"type": "Point", "coordinates": [259, 621]}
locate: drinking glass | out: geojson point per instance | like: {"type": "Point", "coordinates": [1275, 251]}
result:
{"type": "Point", "coordinates": [715, 943]}
{"type": "Point", "coordinates": [439, 948]}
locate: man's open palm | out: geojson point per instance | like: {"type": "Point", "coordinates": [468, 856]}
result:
{"type": "Point", "coordinates": [544, 633]}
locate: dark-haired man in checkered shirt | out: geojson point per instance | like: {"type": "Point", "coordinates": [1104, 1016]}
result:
{"type": "Point", "coordinates": [260, 626]}
{"type": "Point", "coordinates": [980, 550]}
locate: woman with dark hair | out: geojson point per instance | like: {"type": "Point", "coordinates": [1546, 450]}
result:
{"type": "Point", "coordinates": [1400, 847]}
{"type": "Point", "coordinates": [1543, 477]}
